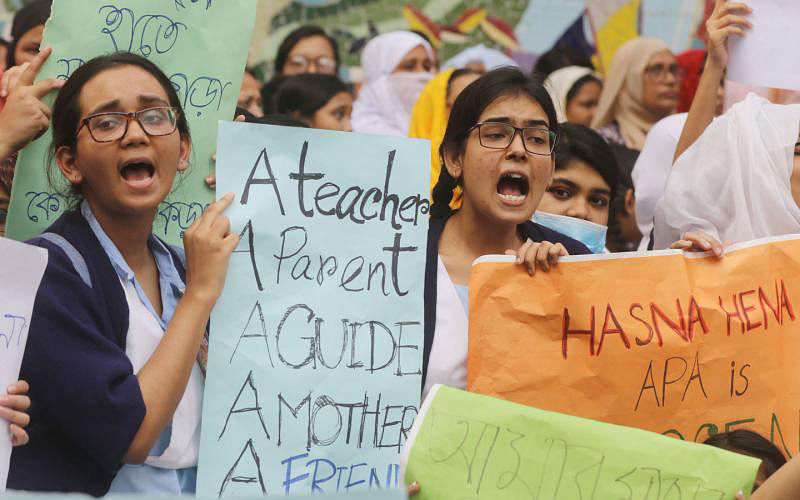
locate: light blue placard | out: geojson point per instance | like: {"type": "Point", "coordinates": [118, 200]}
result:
{"type": "Point", "coordinates": [316, 343]}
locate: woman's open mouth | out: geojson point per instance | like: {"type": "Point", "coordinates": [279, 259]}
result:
{"type": "Point", "coordinates": [138, 174]}
{"type": "Point", "coordinates": [512, 188]}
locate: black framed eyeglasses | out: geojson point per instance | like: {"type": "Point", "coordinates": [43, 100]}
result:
{"type": "Point", "coordinates": [536, 140]}
{"type": "Point", "coordinates": [112, 126]}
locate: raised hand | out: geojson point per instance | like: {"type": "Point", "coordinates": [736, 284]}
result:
{"type": "Point", "coordinates": [25, 117]}
{"type": "Point", "coordinates": [728, 18]}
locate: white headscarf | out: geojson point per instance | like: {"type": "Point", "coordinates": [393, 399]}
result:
{"type": "Point", "coordinates": [560, 82]}
{"type": "Point", "coordinates": [490, 58]}
{"type": "Point", "coordinates": [734, 182]}
{"type": "Point", "coordinates": [652, 170]}
{"type": "Point", "coordinates": [385, 101]}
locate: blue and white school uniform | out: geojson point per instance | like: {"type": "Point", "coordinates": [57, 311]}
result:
{"type": "Point", "coordinates": [92, 330]}
{"type": "Point", "coordinates": [171, 467]}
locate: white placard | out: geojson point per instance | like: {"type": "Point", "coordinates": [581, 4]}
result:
{"type": "Point", "coordinates": [767, 55]}
{"type": "Point", "coordinates": [21, 270]}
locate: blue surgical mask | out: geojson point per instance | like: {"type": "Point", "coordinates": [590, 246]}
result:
{"type": "Point", "coordinates": [590, 234]}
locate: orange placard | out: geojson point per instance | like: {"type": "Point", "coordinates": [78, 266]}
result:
{"type": "Point", "coordinates": [687, 346]}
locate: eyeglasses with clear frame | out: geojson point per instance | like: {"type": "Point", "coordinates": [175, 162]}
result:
{"type": "Point", "coordinates": [324, 64]}
{"type": "Point", "coordinates": [112, 126]}
{"type": "Point", "coordinates": [660, 71]}
{"type": "Point", "coordinates": [496, 135]}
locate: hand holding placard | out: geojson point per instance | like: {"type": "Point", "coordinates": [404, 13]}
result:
{"type": "Point", "coordinates": [728, 21]}
{"type": "Point", "coordinates": [14, 405]}
{"type": "Point", "coordinates": [767, 55]}
{"type": "Point", "coordinates": [682, 344]}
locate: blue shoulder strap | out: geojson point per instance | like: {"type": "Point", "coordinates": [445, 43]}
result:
{"type": "Point", "coordinates": [72, 254]}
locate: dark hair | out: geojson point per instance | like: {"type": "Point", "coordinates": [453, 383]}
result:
{"type": "Point", "coordinates": [557, 58]}
{"type": "Point", "coordinates": [268, 92]}
{"type": "Point", "coordinates": [626, 160]}
{"type": "Point", "coordinates": [32, 15]}
{"type": "Point", "coordinates": [750, 443]}
{"type": "Point", "coordinates": [578, 142]}
{"type": "Point", "coordinates": [305, 94]}
{"type": "Point", "coordinates": [578, 85]}
{"type": "Point", "coordinates": [467, 109]}
{"type": "Point", "coordinates": [248, 116]}
{"type": "Point", "coordinates": [294, 37]}
{"type": "Point", "coordinates": [67, 110]}
{"type": "Point", "coordinates": [250, 71]}
{"type": "Point", "coordinates": [456, 74]}
{"type": "Point", "coordinates": [282, 120]}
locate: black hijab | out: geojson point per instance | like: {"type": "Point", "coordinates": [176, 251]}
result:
{"type": "Point", "coordinates": [32, 15]}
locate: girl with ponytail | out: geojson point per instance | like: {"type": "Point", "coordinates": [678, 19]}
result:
{"type": "Point", "coordinates": [498, 147]}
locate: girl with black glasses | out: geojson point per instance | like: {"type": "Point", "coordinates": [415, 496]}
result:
{"type": "Point", "coordinates": [115, 343]}
{"type": "Point", "coordinates": [498, 147]}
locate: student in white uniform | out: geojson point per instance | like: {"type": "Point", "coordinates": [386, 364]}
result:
{"type": "Point", "coordinates": [498, 147]}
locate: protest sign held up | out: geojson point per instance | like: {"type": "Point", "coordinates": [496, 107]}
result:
{"type": "Point", "coordinates": [763, 57]}
{"type": "Point", "coordinates": [181, 37]}
{"type": "Point", "coordinates": [677, 344]}
{"type": "Point", "coordinates": [21, 271]}
{"type": "Point", "coordinates": [471, 446]}
{"type": "Point", "coordinates": [315, 349]}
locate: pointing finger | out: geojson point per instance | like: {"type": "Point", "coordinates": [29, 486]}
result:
{"type": "Point", "coordinates": [29, 75]}
{"type": "Point", "coordinates": [216, 208]}
{"type": "Point", "coordinates": [41, 89]}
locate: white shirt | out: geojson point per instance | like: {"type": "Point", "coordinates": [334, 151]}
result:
{"type": "Point", "coordinates": [448, 360]}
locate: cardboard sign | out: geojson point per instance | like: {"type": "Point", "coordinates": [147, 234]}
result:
{"type": "Point", "coordinates": [314, 374]}
{"type": "Point", "coordinates": [466, 445]}
{"type": "Point", "coordinates": [202, 48]}
{"type": "Point", "coordinates": [21, 271]}
{"type": "Point", "coordinates": [683, 345]}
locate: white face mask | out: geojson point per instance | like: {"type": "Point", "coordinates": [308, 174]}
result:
{"type": "Point", "coordinates": [590, 234]}
{"type": "Point", "coordinates": [407, 87]}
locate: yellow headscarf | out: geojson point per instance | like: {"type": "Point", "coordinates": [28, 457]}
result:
{"type": "Point", "coordinates": [429, 121]}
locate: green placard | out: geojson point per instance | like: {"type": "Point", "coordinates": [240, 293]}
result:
{"type": "Point", "coordinates": [466, 445]}
{"type": "Point", "coordinates": [200, 44]}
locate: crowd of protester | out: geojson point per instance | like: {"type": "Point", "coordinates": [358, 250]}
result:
{"type": "Point", "coordinates": [563, 161]}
